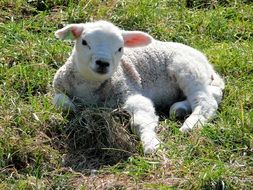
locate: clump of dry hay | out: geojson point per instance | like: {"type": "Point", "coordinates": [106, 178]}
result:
{"type": "Point", "coordinates": [98, 136]}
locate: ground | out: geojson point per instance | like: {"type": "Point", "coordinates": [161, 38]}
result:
{"type": "Point", "coordinates": [41, 148]}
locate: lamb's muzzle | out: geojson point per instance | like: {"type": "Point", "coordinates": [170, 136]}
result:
{"type": "Point", "coordinates": [102, 66]}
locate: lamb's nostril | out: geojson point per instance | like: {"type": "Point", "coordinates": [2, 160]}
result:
{"type": "Point", "coordinates": [102, 64]}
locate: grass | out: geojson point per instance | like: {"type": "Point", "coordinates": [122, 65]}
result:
{"type": "Point", "coordinates": [36, 141]}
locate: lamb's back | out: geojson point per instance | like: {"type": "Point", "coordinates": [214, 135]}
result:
{"type": "Point", "coordinates": [158, 65]}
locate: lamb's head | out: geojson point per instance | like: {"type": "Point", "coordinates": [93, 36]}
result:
{"type": "Point", "coordinates": [99, 47]}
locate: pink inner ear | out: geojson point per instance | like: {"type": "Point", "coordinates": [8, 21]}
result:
{"type": "Point", "coordinates": [76, 32]}
{"type": "Point", "coordinates": [136, 40]}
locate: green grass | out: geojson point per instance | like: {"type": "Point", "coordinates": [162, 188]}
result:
{"type": "Point", "coordinates": [33, 134]}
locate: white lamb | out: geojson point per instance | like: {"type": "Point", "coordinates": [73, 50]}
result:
{"type": "Point", "coordinates": [110, 67]}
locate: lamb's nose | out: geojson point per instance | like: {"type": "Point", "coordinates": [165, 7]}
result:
{"type": "Point", "coordinates": [102, 64]}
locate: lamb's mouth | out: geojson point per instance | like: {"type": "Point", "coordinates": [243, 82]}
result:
{"type": "Point", "coordinates": [102, 71]}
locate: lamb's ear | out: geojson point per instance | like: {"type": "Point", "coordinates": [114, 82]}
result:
{"type": "Point", "coordinates": [70, 32]}
{"type": "Point", "coordinates": [136, 38]}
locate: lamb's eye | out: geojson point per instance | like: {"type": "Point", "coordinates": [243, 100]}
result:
{"type": "Point", "coordinates": [84, 42]}
{"type": "Point", "coordinates": [120, 49]}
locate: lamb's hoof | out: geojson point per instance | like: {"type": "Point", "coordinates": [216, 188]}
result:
{"type": "Point", "coordinates": [185, 129]}
{"type": "Point", "coordinates": [151, 146]}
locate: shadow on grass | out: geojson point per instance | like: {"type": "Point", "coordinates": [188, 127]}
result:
{"type": "Point", "coordinates": [94, 138]}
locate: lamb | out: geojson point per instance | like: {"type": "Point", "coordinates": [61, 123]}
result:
{"type": "Point", "coordinates": [110, 67]}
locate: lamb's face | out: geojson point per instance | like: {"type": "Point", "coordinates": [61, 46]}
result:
{"type": "Point", "coordinates": [98, 52]}
{"type": "Point", "coordinates": [99, 47]}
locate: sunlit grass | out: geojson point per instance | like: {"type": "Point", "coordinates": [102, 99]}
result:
{"type": "Point", "coordinates": [34, 135]}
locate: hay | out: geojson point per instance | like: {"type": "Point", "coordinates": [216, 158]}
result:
{"type": "Point", "coordinates": [98, 136]}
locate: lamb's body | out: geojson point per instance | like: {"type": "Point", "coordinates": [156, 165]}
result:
{"type": "Point", "coordinates": [157, 68]}
{"type": "Point", "coordinates": [163, 72]}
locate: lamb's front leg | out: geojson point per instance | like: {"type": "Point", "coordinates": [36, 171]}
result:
{"type": "Point", "coordinates": [143, 121]}
{"type": "Point", "coordinates": [64, 102]}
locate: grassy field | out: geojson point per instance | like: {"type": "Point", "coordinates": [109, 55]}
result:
{"type": "Point", "coordinates": [37, 147]}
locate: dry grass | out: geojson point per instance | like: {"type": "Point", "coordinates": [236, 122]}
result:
{"type": "Point", "coordinates": [95, 137]}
